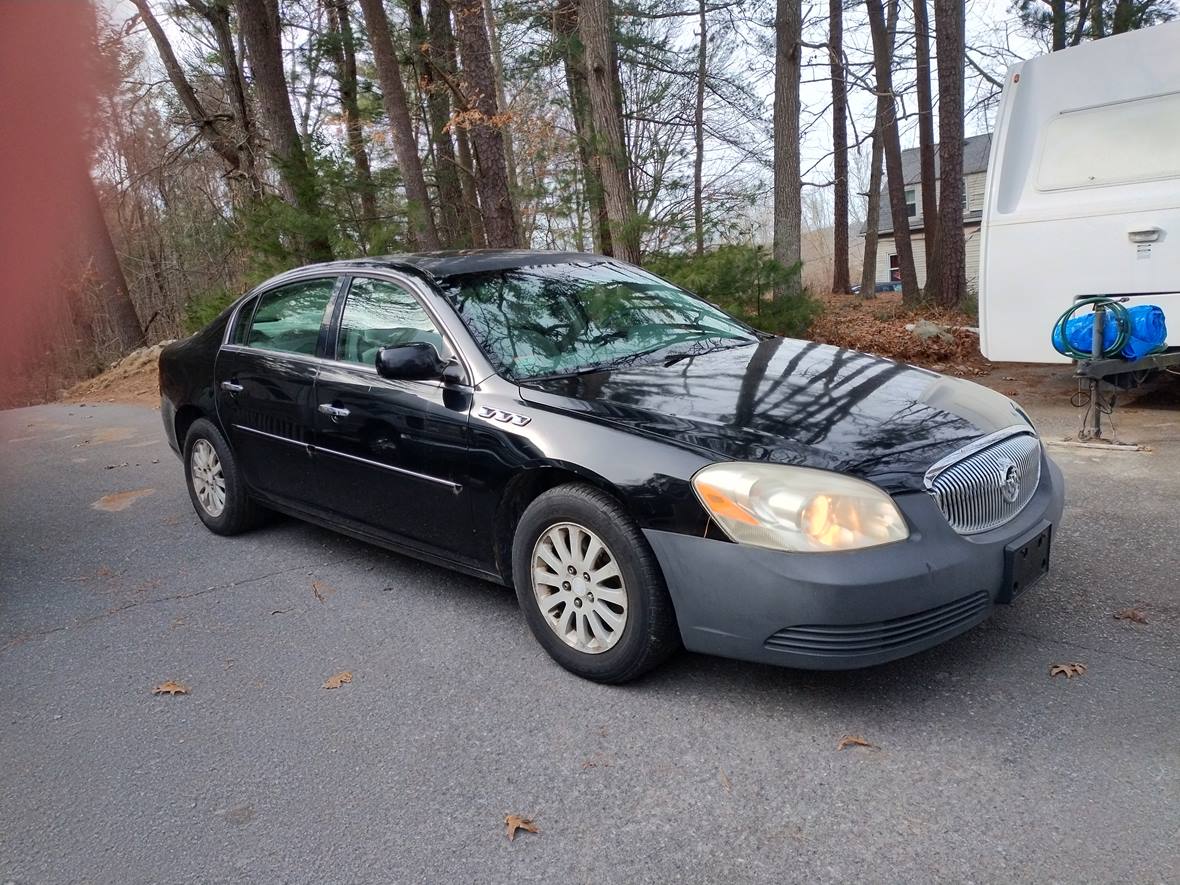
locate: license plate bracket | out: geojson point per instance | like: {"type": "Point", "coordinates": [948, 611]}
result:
{"type": "Point", "coordinates": [1026, 560]}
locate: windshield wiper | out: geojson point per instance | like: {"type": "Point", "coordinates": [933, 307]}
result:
{"type": "Point", "coordinates": [631, 358]}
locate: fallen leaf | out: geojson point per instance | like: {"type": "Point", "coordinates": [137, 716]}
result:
{"type": "Point", "coordinates": [725, 781]}
{"type": "Point", "coordinates": [1131, 614]}
{"type": "Point", "coordinates": [321, 590]}
{"type": "Point", "coordinates": [852, 740]}
{"type": "Point", "coordinates": [338, 680]}
{"type": "Point", "coordinates": [514, 823]}
{"type": "Point", "coordinates": [1069, 670]}
{"type": "Point", "coordinates": [281, 611]}
{"type": "Point", "coordinates": [170, 688]}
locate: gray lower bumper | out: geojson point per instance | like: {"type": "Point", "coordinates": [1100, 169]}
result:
{"type": "Point", "coordinates": [842, 610]}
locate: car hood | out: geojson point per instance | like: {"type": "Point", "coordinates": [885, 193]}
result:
{"type": "Point", "coordinates": [793, 402]}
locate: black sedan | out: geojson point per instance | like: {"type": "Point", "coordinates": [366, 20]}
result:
{"type": "Point", "coordinates": [646, 470]}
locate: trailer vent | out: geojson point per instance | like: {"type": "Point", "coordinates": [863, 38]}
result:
{"type": "Point", "coordinates": [986, 484]}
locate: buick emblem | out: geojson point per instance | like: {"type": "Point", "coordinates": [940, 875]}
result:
{"type": "Point", "coordinates": [1010, 482]}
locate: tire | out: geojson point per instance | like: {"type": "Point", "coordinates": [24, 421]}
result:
{"type": "Point", "coordinates": [581, 515]}
{"type": "Point", "coordinates": [207, 455]}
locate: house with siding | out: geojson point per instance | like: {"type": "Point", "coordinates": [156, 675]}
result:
{"type": "Point", "coordinates": [975, 155]}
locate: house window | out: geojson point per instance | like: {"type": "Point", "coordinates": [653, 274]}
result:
{"type": "Point", "coordinates": [894, 269]}
{"type": "Point", "coordinates": [964, 201]}
{"type": "Point", "coordinates": [911, 202]}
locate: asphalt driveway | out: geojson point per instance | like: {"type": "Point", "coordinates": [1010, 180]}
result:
{"type": "Point", "coordinates": [984, 768]}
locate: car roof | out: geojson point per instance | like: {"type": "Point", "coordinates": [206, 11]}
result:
{"type": "Point", "coordinates": [440, 265]}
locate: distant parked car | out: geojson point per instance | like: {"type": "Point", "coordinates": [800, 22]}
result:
{"type": "Point", "coordinates": [645, 469]}
{"type": "Point", "coordinates": [890, 286]}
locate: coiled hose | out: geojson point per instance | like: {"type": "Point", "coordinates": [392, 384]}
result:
{"type": "Point", "coordinates": [1114, 310]}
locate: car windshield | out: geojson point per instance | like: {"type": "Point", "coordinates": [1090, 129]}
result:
{"type": "Point", "coordinates": [561, 319]}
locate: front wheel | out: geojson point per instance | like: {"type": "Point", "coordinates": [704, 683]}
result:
{"type": "Point", "coordinates": [590, 587]}
{"type": "Point", "coordinates": [214, 482]}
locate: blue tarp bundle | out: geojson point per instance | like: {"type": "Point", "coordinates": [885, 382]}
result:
{"type": "Point", "coordinates": [1147, 332]}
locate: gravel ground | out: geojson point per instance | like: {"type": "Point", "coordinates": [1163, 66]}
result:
{"type": "Point", "coordinates": [983, 767]}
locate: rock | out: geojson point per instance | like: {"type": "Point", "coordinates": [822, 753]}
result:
{"type": "Point", "coordinates": [926, 330]}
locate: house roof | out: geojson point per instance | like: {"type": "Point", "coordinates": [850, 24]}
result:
{"type": "Point", "coordinates": [976, 151]}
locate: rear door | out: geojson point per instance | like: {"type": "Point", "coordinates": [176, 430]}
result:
{"type": "Point", "coordinates": [393, 453]}
{"type": "Point", "coordinates": [265, 378]}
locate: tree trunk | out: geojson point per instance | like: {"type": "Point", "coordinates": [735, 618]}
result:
{"type": "Point", "coordinates": [502, 109]}
{"type": "Point", "coordinates": [840, 280]}
{"type": "Point", "coordinates": [926, 145]}
{"type": "Point", "coordinates": [434, 51]}
{"type": "Point", "coordinates": [112, 284]}
{"type": "Point", "coordinates": [950, 35]}
{"type": "Point", "coordinates": [565, 27]}
{"type": "Point", "coordinates": [344, 58]}
{"type": "Point", "coordinates": [259, 23]}
{"type": "Point", "coordinates": [868, 272]}
{"type": "Point", "coordinates": [405, 145]}
{"type": "Point", "coordinates": [698, 166]}
{"type": "Point", "coordinates": [1057, 10]}
{"type": "Point", "coordinates": [788, 187]}
{"type": "Point", "coordinates": [596, 29]}
{"type": "Point", "coordinates": [484, 126]}
{"type": "Point", "coordinates": [887, 122]}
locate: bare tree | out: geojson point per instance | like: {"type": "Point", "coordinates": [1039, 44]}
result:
{"type": "Point", "coordinates": [483, 124]}
{"type": "Point", "coordinates": [597, 33]}
{"type": "Point", "coordinates": [502, 106]}
{"type": "Point", "coordinates": [210, 128]}
{"type": "Point", "coordinates": [868, 274]}
{"type": "Point", "coordinates": [698, 200]}
{"type": "Point", "coordinates": [950, 36]}
{"type": "Point", "coordinates": [840, 280]}
{"type": "Point", "coordinates": [343, 49]}
{"type": "Point", "coordinates": [405, 145]}
{"type": "Point", "coordinates": [259, 23]}
{"type": "Point", "coordinates": [891, 141]}
{"type": "Point", "coordinates": [788, 185]}
{"type": "Point", "coordinates": [926, 142]}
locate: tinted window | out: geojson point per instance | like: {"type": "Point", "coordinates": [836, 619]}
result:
{"type": "Point", "coordinates": [551, 319]}
{"type": "Point", "coordinates": [288, 319]}
{"type": "Point", "coordinates": [379, 314]}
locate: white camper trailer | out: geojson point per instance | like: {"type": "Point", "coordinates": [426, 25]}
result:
{"type": "Point", "coordinates": [1083, 190]}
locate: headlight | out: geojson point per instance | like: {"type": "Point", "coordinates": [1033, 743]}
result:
{"type": "Point", "coordinates": [797, 508]}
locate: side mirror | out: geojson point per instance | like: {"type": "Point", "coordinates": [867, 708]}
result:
{"type": "Point", "coordinates": [415, 361]}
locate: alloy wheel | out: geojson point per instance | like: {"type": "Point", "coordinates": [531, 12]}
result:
{"type": "Point", "coordinates": [579, 587]}
{"type": "Point", "coordinates": [208, 478]}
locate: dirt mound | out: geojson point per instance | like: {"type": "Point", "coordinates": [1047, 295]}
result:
{"type": "Point", "coordinates": [133, 379]}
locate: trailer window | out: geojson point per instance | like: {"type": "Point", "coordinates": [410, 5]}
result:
{"type": "Point", "coordinates": [1118, 143]}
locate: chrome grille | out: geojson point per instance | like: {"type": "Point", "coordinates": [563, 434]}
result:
{"type": "Point", "coordinates": [987, 483]}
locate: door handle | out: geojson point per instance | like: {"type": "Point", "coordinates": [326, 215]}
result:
{"type": "Point", "coordinates": [232, 386]}
{"type": "Point", "coordinates": [334, 411]}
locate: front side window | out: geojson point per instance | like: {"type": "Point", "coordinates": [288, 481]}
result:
{"type": "Point", "coordinates": [558, 319]}
{"type": "Point", "coordinates": [380, 314]}
{"type": "Point", "coordinates": [288, 318]}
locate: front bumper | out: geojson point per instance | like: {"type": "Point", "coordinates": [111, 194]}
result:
{"type": "Point", "coordinates": [835, 611]}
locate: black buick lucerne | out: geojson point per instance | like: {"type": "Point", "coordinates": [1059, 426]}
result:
{"type": "Point", "coordinates": [646, 470]}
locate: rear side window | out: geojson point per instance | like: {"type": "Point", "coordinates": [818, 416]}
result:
{"type": "Point", "coordinates": [288, 318]}
{"type": "Point", "coordinates": [381, 314]}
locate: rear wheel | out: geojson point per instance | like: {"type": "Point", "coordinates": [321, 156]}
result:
{"type": "Point", "coordinates": [590, 587]}
{"type": "Point", "coordinates": [215, 484]}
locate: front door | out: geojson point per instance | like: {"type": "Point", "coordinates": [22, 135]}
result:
{"type": "Point", "coordinates": [265, 387]}
{"type": "Point", "coordinates": [392, 454]}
